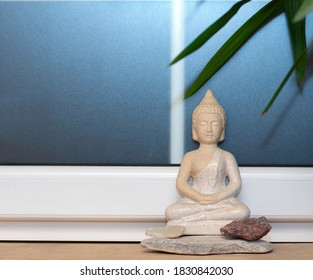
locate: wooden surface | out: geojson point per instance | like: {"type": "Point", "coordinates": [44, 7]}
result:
{"type": "Point", "coordinates": [134, 251]}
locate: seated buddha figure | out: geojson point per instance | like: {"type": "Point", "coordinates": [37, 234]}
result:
{"type": "Point", "coordinates": [208, 179]}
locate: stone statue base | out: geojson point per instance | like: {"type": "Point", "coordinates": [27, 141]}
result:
{"type": "Point", "coordinates": [202, 227]}
{"type": "Point", "coordinates": [173, 230]}
{"type": "Point", "coordinates": [206, 245]}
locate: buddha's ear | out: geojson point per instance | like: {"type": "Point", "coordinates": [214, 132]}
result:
{"type": "Point", "coordinates": [222, 136]}
{"type": "Point", "coordinates": [194, 135]}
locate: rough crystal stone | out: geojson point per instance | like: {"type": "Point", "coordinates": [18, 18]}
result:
{"type": "Point", "coordinates": [250, 229]}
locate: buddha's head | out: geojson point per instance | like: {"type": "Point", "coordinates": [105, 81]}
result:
{"type": "Point", "coordinates": [208, 120]}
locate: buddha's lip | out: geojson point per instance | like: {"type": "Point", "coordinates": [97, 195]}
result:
{"type": "Point", "coordinates": [209, 135]}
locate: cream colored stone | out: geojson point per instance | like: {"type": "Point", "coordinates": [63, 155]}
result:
{"type": "Point", "coordinates": [166, 232]}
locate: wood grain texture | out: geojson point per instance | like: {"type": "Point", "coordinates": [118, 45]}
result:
{"type": "Point", "coordinates": [134, 251]}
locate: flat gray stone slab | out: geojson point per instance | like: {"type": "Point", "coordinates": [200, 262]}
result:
{"type": "Point", "coordinates": [207, 245]}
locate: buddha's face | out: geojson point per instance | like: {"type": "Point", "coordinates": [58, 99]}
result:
{"type": "Point", "coordinates": [208, 128]}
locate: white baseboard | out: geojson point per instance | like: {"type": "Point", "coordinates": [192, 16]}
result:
{"type": "Point", "coordinates": [124, 231]}
{"type": "Point", "coordinates": [119, 203]}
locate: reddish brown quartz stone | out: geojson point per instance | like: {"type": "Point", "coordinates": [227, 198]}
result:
{"type": "Point", "coordinates": [250, 229]}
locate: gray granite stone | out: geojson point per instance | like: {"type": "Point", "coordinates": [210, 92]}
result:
{"type": "Point", "coordinates": [206, 245]}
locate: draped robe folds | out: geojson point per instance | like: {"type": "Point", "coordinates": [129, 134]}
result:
{"type": "Point", "coordinates": [215, 178]}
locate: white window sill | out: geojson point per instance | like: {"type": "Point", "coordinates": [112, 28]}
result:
{"type": "Point", "coordinates": [119, 203]}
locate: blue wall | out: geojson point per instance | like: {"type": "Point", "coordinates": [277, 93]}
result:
{"type": "Point", "coordinates": [84, 82]}
{"type": "Point", "coordinates": [88, 83]}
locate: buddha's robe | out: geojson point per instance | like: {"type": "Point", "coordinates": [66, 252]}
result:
{"type": "Point", "coordinates": [220, 176]}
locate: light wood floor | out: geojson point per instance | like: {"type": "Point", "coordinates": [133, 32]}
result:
{"type": "Point", "coordinates": [134, 251]}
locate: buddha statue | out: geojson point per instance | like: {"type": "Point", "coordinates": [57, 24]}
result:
{"type": "Point", "coordinates": [208, 180]}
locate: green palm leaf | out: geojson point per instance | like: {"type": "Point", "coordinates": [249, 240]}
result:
{"type": "Point", "coordinates": [209, 32]}
{"type": "Point", "coordinates": [297, 37]}
{"type": "Point", "coordinates": [305, 8]}
{"type": "Point", "coordinates": [233, 44]}
{"type": "Point", "coordinates": [282, 84]}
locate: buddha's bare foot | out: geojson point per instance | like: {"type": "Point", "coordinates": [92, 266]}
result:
{"type": "Point", "coordinates": [166, 232]}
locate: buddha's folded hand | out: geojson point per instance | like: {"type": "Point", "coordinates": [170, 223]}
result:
{"type": "Point", "coordinates": [208, 199]}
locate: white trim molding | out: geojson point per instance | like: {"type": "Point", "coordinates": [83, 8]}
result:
{"type": "Point", "coordinates": [177, 84]}
{"type": "Point", "coordinates": [119, 203]}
